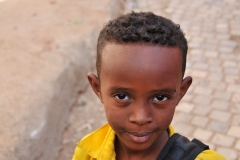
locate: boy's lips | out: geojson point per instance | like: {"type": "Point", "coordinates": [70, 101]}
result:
{"type": "Point", "coordinates": [140, 137]}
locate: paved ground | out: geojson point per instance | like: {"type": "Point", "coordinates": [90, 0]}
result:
{"type": "Point", "coordinates": [211, 109]}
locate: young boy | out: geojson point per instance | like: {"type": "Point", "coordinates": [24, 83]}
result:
{"type": "Point", "coordinates": [141, 59]}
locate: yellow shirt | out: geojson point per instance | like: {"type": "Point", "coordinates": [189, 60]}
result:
{"type": "Point", "coordinates": [99, 145]}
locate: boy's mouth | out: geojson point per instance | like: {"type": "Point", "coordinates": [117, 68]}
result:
{"type": "Point", "coordinates": [139, 137]}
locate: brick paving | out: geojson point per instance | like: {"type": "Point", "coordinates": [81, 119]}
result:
{"type": "Point", "coordinates": [211, 109]}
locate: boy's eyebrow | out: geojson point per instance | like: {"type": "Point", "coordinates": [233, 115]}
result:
{"type": "Point", "coordinates": [119, 89]}
{"type": "Point", "coordinates": [164, 90]}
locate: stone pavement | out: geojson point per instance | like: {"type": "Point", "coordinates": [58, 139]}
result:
{"type": "Point", "coordinates": [211, 109]}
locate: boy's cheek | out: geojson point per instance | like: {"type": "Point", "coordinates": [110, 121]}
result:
{"type": "Point", "coordinates": [115, 114]}
{"type": "Point", "coordinates": [115, 120]}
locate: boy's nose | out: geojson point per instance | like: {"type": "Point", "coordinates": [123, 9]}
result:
{"type": "Point", "coordinates": [141, 114]}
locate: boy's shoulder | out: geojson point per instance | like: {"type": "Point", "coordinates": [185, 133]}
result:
{"type": "Point", "coordinates": [179, 147]}
{"type": "Point", "coordinates": [100, 143]}
{"type": "Point", "coordinates": [210, 155]}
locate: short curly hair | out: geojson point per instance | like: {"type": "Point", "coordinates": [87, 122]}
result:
{"type": "Point", "coordinates": [143, 28]}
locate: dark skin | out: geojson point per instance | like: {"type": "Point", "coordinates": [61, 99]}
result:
{"type": "Point", "coordinates": [140, 86]}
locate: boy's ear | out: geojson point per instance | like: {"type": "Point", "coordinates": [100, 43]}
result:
{"type": "Point", "coordinates": [95, 84]}
{"type": "Point", "coordinates": [186, 83]}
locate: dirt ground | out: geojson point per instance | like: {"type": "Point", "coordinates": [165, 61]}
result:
{"type": "Point", "coordinates": [41, 44]}
{"type": "Point", "coordinates": [86, 116]}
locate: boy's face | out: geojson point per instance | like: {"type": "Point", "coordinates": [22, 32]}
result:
{"type": "Point", "coordinates": [140, 86]}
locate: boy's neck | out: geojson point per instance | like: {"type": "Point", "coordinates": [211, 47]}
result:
{"type": "Point", "coordinates": [123, 152]}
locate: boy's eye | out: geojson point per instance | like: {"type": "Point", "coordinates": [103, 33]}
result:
{"type": "Point", "coordinates": [121, 96]}
{"type": "Point", "coordinates": [160, 98]}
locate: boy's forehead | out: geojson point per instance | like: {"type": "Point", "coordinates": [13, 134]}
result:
{"type": "Point", "coordinates": [141, 57]}
{"type": "Point", "coordinates": [141, 52]}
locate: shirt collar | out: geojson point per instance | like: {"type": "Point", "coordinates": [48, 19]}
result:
{"type": "Point", "coordinates": [100, 144]}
